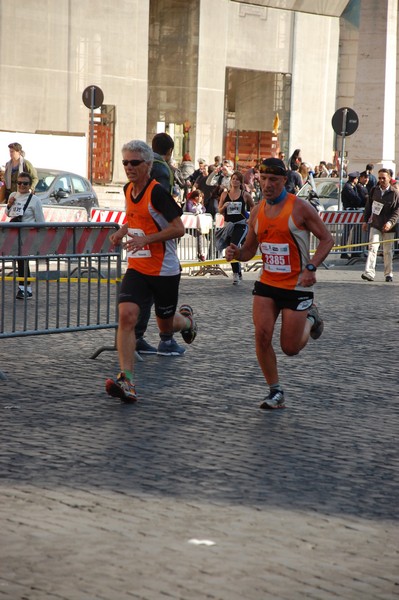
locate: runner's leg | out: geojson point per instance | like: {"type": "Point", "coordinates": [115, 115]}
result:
{"type": "Point", "coordinates": [295, 330]}
{"type": "Point", "coordinates": [265, 313]}
{"type": "Point", "coordinates": [126, 338]}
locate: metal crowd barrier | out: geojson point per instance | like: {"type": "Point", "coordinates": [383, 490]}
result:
{"type": "Point", "coordinates": [346, 228]}
{"type": "Point", "coordinates": [74, 276]}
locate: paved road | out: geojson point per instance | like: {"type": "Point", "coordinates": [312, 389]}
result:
{"type": "Point", "coordinates": [102, 501]}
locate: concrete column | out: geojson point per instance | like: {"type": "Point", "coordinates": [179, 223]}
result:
{"type": "Point", "coordinates": [375, 87]}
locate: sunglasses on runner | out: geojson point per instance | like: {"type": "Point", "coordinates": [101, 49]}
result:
{"type": "Point", "coordinates": [23, 183]}
{"type": "Point", "coordinates": [132, 163]}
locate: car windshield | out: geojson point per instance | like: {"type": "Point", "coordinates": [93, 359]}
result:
{"type": "Point", "coordinates": [324, 189]}
{"type": "Point", "coordinates": [327, 191]}
{"type": "Point", "coordinates": [45, 180]}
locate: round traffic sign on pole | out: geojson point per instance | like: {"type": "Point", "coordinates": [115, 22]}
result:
{"type": "Point", "coordinates": [93, 97]}
{"type": "Point", "coordinates": [345, 121]}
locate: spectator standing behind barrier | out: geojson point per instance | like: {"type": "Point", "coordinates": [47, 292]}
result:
{"type": "Point", "coordinates": [350, 201]}
{"type": "Point", "coordinates": [295, 159]}
{"type": "Point", "coordinates": [186, 166]}
{"type": "Point", "coordinates": [201, 184]}
{"type": "Point", "coordinates": [220, 178]}
{"type": "Point", "coordinates": [372, 178]}
{"type": "Point", "coordinates": [23, 206]}
{"type": "Point", "coordinates": [234, 205]}
{"type": "Point", "coordinates": [198, 172]}
{"type": "Point", "coordinates": [281, 224]}
{"type": "Point", "coordinates": [382, 214]}
{"type": "Point", "coordinates": [294, 180]}
{"type": "Point", "coordinates": [186, 170]}
{"type": "Point", "coordinates": [195, 205]}
{"type": "Point", "coordinates": [153, 273]}
{"type": "Point", "coordinates": [15, 166]}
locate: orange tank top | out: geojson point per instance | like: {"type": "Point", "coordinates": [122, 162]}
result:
{"type": "Point", "coordinates": [159, 258]}
{"type": "Point", "coordinates": [284, 246]}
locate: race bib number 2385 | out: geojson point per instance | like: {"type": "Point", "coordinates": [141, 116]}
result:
{"type": "Point", "coordinates": [276, 257]}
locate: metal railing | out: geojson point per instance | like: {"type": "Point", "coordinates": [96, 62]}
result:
{"type": "Point", "coordinates": [71, 271]}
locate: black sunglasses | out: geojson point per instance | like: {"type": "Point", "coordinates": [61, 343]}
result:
{"type": "Point", "coordinates": [23, 182]}
{"type": "Point", "coordinates": [132, 163]}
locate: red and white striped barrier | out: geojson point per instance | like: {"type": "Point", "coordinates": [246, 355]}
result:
{"type": "Point", "coordinates": [345, 217]}
{"type": "Point", "coordinates": [45, 239]}
{"type": "Point", "coordinates": [202, 222]}
{"type": "Point", "coordinates": [97, 215]}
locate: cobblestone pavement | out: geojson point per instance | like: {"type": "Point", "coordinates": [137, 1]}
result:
{"type": "Point", "coordinates": [103, 501]}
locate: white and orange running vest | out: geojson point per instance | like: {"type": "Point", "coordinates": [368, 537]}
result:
{"type": "Point", "coordinates": [159, 258]}
{"type": "Point", "coordinates": [284, 247]}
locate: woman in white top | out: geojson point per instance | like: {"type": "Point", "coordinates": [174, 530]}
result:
{"type": "Point", "coordinates": [23, 206]}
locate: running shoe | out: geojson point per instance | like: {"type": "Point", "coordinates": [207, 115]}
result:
{"type": "Point", "coordinates": [190, 334]}
{"type": "Point", "coordinates": [22, 294]}
{"type": "Point", "coordinates": [143, 347]}
{"type": "Point", "coordinates": [170, 348]}
{"type": "Point", "coordinates": [318, 326]}
{"type": "Point", "coordinates": [236, 279]}
{"type": "Point", "coordinates": [121, 388]}
{"type": "Point", "coordinates": [388, 278]}
{"type": "Point", "coordinates": [366, 277]}
{"type": "Point", "coordinates": [274, 400]}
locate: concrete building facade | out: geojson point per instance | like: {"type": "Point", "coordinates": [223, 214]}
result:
{"type": "Point", "coordinates": [198, 68]}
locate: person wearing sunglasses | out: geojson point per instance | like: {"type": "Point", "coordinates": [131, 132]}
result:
{"type": "Point", "coordinates": [153, 224]}
{"type": "Point", "coordinates": [23, 206]}
{"type": "Point", "coordinates": [15, 166]}
{"type": "Point", "coordinates": [281, 225]}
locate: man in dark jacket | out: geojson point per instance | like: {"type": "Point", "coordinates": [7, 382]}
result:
{"type": "Point", "coordinates": [350, 201]}
{"type": "Point", "coordinates": [382, 213]}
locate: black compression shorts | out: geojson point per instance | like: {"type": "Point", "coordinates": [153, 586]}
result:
{"type": "Point", "coordinates": [139, 289]}
{"type": "Point", "coordinates": [293, 299]}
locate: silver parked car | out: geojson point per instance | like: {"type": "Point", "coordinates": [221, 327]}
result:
{"type": "Point", "coordinates": [65, 189]}
{"type": "Point", "coordinates": [325, 190]}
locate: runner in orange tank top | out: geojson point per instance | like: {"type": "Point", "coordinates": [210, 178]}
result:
{"type": "Point", "coordinates": [281, 225]}
{"type": "Point", "coordinates": [153, 223]}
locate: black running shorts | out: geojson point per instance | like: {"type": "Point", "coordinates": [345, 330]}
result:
{"type": "Point", "coordinates": [140, 289]}
{"type": "Point", "coordinates": [293, 299]}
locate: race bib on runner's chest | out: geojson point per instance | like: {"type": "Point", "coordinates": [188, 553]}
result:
{"type": "Point", "coordinates": [144, 252]}
{"type": "Point", "coordinates": [276, 257]}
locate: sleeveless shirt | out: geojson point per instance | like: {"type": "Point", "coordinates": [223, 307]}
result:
{"type": "Point", "coordinates": [284, 247]}
{"type": "Point", "coordinates": [143, 218]}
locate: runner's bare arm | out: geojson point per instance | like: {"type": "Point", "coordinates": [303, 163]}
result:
{"type": "Point", "coordinates": [117, 236]}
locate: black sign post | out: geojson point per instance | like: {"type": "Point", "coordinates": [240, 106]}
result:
{"type": "Point", "coordinates": [344, 122]}
{"type": "Point", "coordinates": [92, 97]}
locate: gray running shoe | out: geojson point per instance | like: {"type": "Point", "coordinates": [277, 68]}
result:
{"type": "Point", "coordinates": [170, 348]}
{"type": "Point", "coordinates": [274, 400]}
{"type": "Point", "coordinates": [317, 328]}
{"type": "Point", "coordinates": [143, 347]}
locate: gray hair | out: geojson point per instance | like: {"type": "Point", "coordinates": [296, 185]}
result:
{"type": "Point", "coordinates": [141, 148]}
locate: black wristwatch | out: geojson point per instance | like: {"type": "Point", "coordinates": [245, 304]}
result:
{"type": "Point", "coordinates": [311, 267]}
